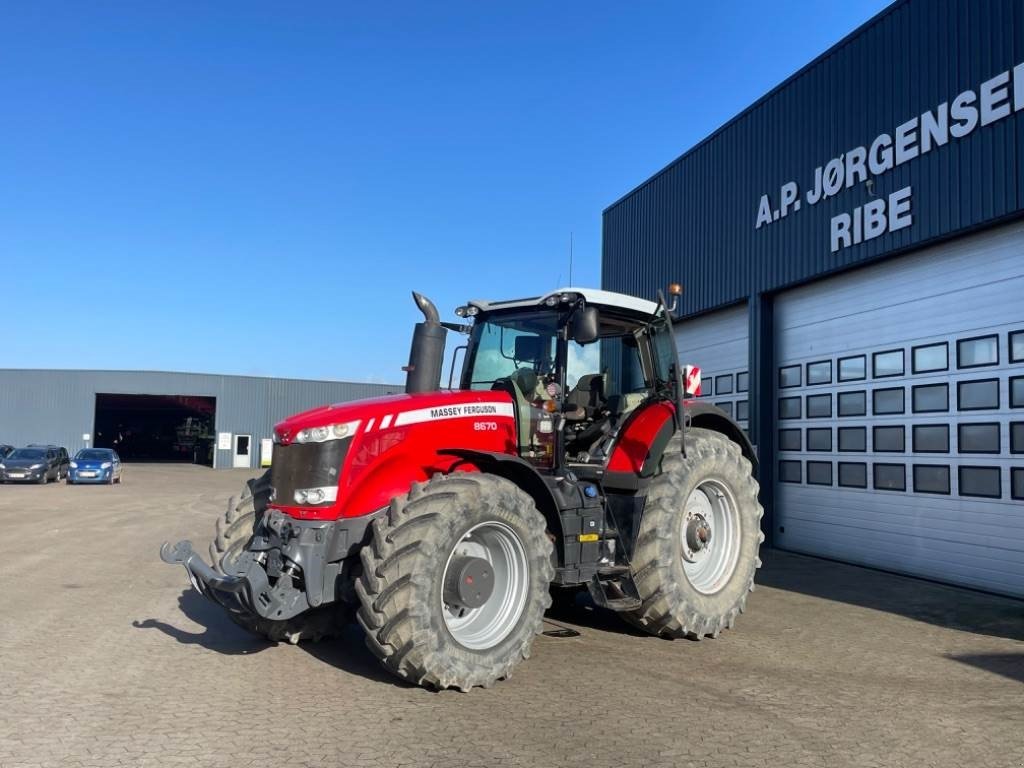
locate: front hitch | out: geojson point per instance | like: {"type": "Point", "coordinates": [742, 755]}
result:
{"type": "Point", "coordinates": [247, 591]}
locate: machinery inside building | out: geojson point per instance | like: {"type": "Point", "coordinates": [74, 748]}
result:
{"type": "Point", "coordinates": [176, 428]}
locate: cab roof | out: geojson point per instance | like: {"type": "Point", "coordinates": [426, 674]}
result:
{"type": "Point", "coordinates": [592, 296]}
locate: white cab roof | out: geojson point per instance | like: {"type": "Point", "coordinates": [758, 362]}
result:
{"type": "Point", "coordinates": [590, 295]}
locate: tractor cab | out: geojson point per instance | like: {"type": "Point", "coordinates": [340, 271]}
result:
{"type": "Point", "coordinates": [576, 363]}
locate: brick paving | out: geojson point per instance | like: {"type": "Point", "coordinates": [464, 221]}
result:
{"type": "Point", "coordinates": [107, 660]}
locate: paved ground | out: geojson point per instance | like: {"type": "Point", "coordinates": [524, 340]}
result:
{"type": "Point", "coordinates": [106, 659]}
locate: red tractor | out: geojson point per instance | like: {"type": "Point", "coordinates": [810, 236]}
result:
{"type": "Point", "coordinates": [567, 458]}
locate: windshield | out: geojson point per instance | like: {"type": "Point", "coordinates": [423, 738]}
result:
{"type": "Point", "coordinates": [506, 343]}
{"type": "Point", "coordinates": [28, 453]}
{"type": "Point", "coordinates": [92, 453]}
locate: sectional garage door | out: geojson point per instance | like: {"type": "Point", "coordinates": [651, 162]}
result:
{"type": "Point", "coordinates": [900, 408]}
{"type": "Point", "coordinates": [717, 343]}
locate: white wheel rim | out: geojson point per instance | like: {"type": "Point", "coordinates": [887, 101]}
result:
{"type": "Point", "coordinates": [485, 627]}
{"type": "Point", "coordinates": [709, 566]}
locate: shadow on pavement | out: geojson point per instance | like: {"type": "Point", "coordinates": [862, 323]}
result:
{"type": "Point", "coordinates": [219, 632]}
{"type": "Point", "coordinates": [1009, 665]}
{"type": "Point", "coordinates": [917, 599]}
{"type": "Point", "coordinates": [345, 651]}
{"type": "Point", "coordinates": [579, 612]}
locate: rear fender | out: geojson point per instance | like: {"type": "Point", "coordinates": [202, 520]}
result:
{"type": "Point", "coordinates": [707, 416]}
{"type": "Point", "coordinates": [647, 434]}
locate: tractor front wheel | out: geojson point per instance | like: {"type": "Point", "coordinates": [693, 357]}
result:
{"type": "Point", "coordinates": [455, 581]}
{"type": "Point", "coordinates": [697, 550]}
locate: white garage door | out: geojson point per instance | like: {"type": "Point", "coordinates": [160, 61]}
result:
{"type": "Point", "coordinates": [901, 414]}
{"type": "Point", "coordinates": [717, 343]}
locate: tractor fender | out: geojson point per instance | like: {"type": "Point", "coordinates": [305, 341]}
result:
{"type": "Point", "coordinates": [517, 471]}
{"type": "Point", "coordinates": [708, 416]}
{"type": "Point", "coordinates": [648, 433]}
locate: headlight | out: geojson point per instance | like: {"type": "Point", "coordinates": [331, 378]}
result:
{"type": "Point", "coordinates": [36, 466]}
{"type": "Point", "coordinates": [330, 432]}
{"type": "Point", "coordinates": [106, 465]}
{"type": "Point", "coordinates": [316, 495]}
{"type": "Point", "coordinates": [74, 465]}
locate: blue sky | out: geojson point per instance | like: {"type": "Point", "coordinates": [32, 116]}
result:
{"type": "Point", "coordinates": [255, 188]}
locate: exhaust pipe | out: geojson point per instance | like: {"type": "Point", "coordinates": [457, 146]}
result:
{"type": "Point", "coordinates": [426, 355]}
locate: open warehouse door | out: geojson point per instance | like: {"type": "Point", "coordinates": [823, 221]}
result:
{"type": "Point", "coordinates": [157, 427]}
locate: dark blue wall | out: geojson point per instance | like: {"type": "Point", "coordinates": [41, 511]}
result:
{"type": "Point", "coordinates": [695, 220]}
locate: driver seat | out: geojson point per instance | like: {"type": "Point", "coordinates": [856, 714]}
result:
{"type": "Point", "coordinates": [522, 386]}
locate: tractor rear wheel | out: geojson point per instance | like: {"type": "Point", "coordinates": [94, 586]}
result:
{"type": "Point", "coordinates": [235, 528]}
{"type": "Point", "coordinates": [697, 550]}
{"type": "Point", "coordinates": [455, 581]}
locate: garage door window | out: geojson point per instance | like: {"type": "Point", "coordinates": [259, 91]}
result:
{"type": "Point", "coordinates": [976, 352]}
{"type": "Point", "coordinates": [853, 368]}
{"type": "Point", "coordinates": [853, 439]}
{"type": "Point", "coordinates": [742, 382]}
{"type": "Point", "coordinates": [978, 438]}
{"type": "Point", "coordinates": [819, 473]}
{"type": "Point", "coordinates": [1017, 481]}
{"type": "Point", "coordinates": [889, 363]}
{"type": "Point", "coordinates": [1017, 392]}
{"type": "Point", "coordinates": [1017, 437]}
{"type": "Point", "coordinates": [723, 384]}
{"type": "Point", "coordinates": [931, 357]}
{"type": "Point", "coordinates": [789, 471]}
{"type": "Point", "coordinates": [930, 398]}
{"type": "Point", "coordinates": [819, 439]}
{"type": "Point", "coordinates": [742, 410]}
{"type": "Point", "coordinates": [789, 407]}
{"type": "Point", "coordinates": [931, 478]}
{"type": "Point", "coordinates": [931, 438]}
{"type": "Point", "coordinates": [819, 373]}
{"type": "Point", "coordinates": [853, 474]}
{"type": "Point", "coordinates": [789, 376]}
{"type": "Point", "coordinates": [890, 477]}
{"type": "Point", "coordinates": [888, 401]}
{"type": "Point", "coordinates": [726, 406]}
{"type": "Point", "coordinates": [977, 395]}
{"type": "Point", "coordinates": [819, 406]}
{"type": "Point", "coordinates": [980, 481]}
{"type": "Point", "coordinates": [789, 439]}
{"type": "Point", "coordinates": [889, 439]}
{"type": "Point", "coordinates": [1017, 347]}
{"type": "Point", "coordinates": [853, 403]}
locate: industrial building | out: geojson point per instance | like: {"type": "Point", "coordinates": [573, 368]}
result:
{"type": "Point", "coordinates": [221, 421]}
{"type": "Point", "coordinates": [852, 251]}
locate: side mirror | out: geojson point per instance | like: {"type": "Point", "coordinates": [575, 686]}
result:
{"type": "Point", "coordinates": [585, 325]}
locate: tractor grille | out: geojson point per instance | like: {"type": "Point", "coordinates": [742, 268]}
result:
{"type": "Point", "coordinates": [305, 465]}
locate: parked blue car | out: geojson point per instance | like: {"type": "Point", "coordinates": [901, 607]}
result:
{"type": "Point", "coordinates": [95, 465]}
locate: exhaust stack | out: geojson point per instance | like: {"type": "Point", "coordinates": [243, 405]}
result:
{"type": "Point", "coordinates": [426, 355]}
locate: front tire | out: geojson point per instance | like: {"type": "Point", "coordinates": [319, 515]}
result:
{"type": "Point", "coordinates": [421, 619]}
{"type": "Point", "coordinates": [697, 551]}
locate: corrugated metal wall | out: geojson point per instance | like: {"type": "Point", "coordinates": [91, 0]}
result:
{"type": "Point", "coordinates": [50, 406]}
{"type": "Point", "coordinates": [695, 220]}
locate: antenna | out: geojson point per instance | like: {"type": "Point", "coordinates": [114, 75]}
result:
{"type": "Point", "coordinates": [570, 258]}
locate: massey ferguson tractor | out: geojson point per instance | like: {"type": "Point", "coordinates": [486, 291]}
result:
{"type": "Point", "coordinates": [568, 458]}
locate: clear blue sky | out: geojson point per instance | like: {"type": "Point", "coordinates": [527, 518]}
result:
{"type": "Point", "coordinates": [255, 188]}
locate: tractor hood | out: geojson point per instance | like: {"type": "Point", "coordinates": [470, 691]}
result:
{"type": "Point", "coordinates": [378, 413]}
{"type": "Point", "coordinates": [352, 459]}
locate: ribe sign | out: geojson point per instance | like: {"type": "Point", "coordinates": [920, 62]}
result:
{"type": "Point", "coordinates": [995, 99]}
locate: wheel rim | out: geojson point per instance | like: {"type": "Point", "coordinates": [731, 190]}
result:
{"type": "Point", "coordinates": [710, 537]}
{"type": "Point", "coordinates": [485, 626]}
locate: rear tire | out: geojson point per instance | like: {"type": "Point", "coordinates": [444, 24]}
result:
{"type": "Point", "coordinates": [235, 529]}
{"type": "Point", "coordinates": [407, 586]}
{"type": "Point", "coordinates": [690, 588]}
